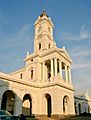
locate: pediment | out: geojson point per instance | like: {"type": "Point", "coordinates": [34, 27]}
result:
{"type": "Point", "coordinates": [65, 54]}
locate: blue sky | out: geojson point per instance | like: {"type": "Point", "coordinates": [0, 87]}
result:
{"type": "Point", "coordinates": [72, 21]}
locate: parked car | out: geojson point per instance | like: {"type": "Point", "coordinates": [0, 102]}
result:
{"type": "Point", "coordinates": [5, 115]}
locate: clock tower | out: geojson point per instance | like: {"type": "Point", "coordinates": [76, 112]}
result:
{"type": "Point", "coordinates": [43, 39]}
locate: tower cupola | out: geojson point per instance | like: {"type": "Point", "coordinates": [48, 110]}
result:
{"type": "Point", "coordinates": [43, 38]}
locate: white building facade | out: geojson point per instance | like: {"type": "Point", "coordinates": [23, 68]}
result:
{"type": "Point", "coordinates": [44, 86]}
{"type": "Point", "coordinates": [82, 104]}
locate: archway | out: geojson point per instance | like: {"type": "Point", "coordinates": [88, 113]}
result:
{"type": "Point", "coordinates": [65, 104]}
{"type": "Point", "coordinates": [8, 100]}
{"type": "Point", "coordinates": [49, 106]}
{"type": "Point", "coordinates": [79, 108]}
{"type": "Point", "coordinates": [27, 105]}
{"type": "Point", "coordinates": [75, 108]}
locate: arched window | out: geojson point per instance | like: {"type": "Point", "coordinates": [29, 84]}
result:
{"type": "Point", "coordinates": [39, 46]}
{"type": "Point", "coordinates": [39, 29]}
{"type": "Point", "coordinates": [65, 104]}
{"type": "Point", "coordinates": [49, 105]}
{"type": "Point", "coordinates": [49, 29]}
{"type": "Point", "coordinates": [21, 76]}
{"type": "Point", "coordinates": [32, 74]}
{"type": "Point", "coordinates": [79, 108]}
{"type": "Point", "coordinates": [49, 45]}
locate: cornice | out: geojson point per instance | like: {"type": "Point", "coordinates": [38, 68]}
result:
{"type": "Point", "coordinates": [5, 77]}
{"type": "Point", "coordinates": [49, 51]}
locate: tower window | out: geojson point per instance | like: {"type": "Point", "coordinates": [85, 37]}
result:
{"type": "Point", "coordinates": [21, 76]}
{"type": "Point", "coordinates": [49, 29]}
{"type": "Point", "coordinates": [39, 46]}
{"type": "Point", "coordinates": [31, 60]}
{"type": "Point", "coordinates": [31, 74]}
{"type": "Point", "coordinates": [39, 29]}
{"type": "Point", "coordinates": [49, 46]}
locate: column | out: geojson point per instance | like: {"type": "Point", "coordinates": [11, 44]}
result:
{"type": "Point", "coordinates": [17, 106]}
{"type": "Point", "coordinates": [66, 73]}
{"type": "Point", "coordinates": [69, 71]}
{"type": "Point", "coordinates": [60, 69]}
{"type": "Point", "coordinates": [46, 73]}
{"type": "Point", "coordinates": [55, 66]}
{"type": "Point", "coordinates": [43, 70]}
{"type": "Point", "coordinates": [51, 67]}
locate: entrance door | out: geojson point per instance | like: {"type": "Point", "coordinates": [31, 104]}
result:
{"type": "Point", "coordinates": [49, 111]}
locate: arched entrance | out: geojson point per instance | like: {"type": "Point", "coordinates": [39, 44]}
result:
{"type": "Point", "coordinates": [8, 100]}
{"type": "Point", "coordinates": [65, 105]}
{"type": "Point", "coordinates": [75, 108]}
{"type": "Point", "coordinates": [27, 105]}
{"type": "Point", "coordinates": [49, 106]}
{"type": "Point", "coordinates": [79, 108]}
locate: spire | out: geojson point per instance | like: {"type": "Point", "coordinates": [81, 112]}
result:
{"type": "Point", "coordinates": [44, 14]}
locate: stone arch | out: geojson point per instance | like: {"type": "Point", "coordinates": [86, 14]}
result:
{"type": "Point", "coordinates": [27, 104]}
{"type": "Point", "coordinates": [8, 101]}
{"type": "Point", "coordinates": [75, 104]}
{"type": "Point", "coordinates": [79, 108]}
{"type": "Point", "coordinates": [48, 103]}
{"type": "Point", "coordinates": [65, 104]}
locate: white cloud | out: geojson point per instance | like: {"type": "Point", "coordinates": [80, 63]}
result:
{"type": "Point", "coordinates": [81, 65]}
{"type": "Point", "coordinates": [81, 68]}
{"type": "Point", "coordinates": [83, 35]}
{"type": "Point", "coordinates": [21, 37]}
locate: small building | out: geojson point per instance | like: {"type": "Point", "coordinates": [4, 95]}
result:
{"type": "Point", "coordinates": [44, 86]}
{"type": "Point", "coordinates": [82, 104]}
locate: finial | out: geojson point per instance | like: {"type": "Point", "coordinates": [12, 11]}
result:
{"type": "Point", "coordinates": [27, 53]}
{"type": "Point", "coordinates": [43, 10]}
{"type": "Point", "coordinates": [64, 47]}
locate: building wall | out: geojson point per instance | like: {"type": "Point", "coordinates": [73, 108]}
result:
{"type": "Point", "coordinates": [82, 104]}
{"type": "Point", "coordinates": [41, 81]}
